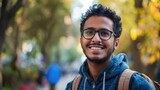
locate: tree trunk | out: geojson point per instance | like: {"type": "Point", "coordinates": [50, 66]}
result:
{"type": "Point", "coordinates": [3, 27]}
{"type": "Point", "coordinates": [138, 3]}
{"type": "Point", "coordinates": [5, 17]}
{"type": "Point", "coordinates": [45, 55]}
{"type": "Point", "coordinates": [136, 55]}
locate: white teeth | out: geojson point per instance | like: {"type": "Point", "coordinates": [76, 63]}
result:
{"type": "Point", "coordinates": [95, 48]}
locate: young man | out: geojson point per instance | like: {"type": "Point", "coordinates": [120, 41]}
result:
{"type": "Point", "coordinates": [100, 31]}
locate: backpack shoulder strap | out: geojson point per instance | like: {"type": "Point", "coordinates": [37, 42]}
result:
{"type": "Point", "coordinates": [76, 82]}
{"type": "Point", "coordinates": [156, 85]}
{"type": "Point", "coordinates": [124, 80]}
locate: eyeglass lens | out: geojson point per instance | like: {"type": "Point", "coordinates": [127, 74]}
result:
{"type": "Point", "coordinates": [104, 34]}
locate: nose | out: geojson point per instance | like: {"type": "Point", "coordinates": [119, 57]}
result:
{"type": "Point", "coordinates": [96, 38]}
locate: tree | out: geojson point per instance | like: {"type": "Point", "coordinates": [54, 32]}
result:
{"type": "Point", "coordinates": [6, 15]}
{"type": "Point", "coordinates": [136, 55]}
{"type": "Point", "coordinates": [45, 23]}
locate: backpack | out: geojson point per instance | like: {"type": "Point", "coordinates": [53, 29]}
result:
{"type": "Point", "coordinates": [123, 83]}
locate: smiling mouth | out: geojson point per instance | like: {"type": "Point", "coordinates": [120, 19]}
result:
{"type": "Point", "coordinates": [96, 47]}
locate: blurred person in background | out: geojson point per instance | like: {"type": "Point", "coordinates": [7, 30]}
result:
{"type": "Point", "coordinates": [100, 31]}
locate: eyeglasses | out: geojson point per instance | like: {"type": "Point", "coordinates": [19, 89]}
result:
{"type": "Point", "coordinates": [104, 34]}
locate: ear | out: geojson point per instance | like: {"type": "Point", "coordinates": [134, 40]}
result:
{"type": "Point", "coordinates": [116, 45]}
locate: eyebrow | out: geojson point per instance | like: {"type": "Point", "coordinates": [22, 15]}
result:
{"type": "Point", "coordinates": [98, 29]}
{"type": "Point", "coordinates": [90, 28]}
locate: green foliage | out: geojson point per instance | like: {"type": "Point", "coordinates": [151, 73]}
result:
{"type": "Point", "coordinates": [15, 78]}
{"type": "Point", "coordinates": [66, 50]}
{"type": "Point", "coordinates": [44, 21]}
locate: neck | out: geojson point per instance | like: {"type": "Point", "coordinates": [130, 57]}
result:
{"type": "Point", "coordinates": [96, 68]}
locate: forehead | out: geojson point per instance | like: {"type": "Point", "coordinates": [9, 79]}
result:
{"type": "Point", "coordinates": [99, 22]}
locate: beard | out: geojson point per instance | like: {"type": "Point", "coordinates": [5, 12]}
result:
{"type": "Point", "coordinates": [102, 60]}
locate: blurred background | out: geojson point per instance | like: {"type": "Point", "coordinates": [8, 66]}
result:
{"type": "Point", "coordinates": [39, 40]}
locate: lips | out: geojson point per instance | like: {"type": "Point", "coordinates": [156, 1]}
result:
{"type": "Point", "coordinates": [96, 47]}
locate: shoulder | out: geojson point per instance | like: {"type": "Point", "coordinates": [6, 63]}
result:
{"type": "Point", "coordinates": [138, 82]}
{"type": "Point", "coordinates": [69, 86]}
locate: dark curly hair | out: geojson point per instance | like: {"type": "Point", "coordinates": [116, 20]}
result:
{"type": "Point", "coordinates": [100, 10]}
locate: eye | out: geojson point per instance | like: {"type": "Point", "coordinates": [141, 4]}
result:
{"type": "Point", "coordinates": [105, 33]}
{"type": "Point", "coordinates": [89, 32]}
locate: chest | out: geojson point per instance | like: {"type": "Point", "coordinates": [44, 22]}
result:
{"type": "Point", "coordinates": [108, 84]}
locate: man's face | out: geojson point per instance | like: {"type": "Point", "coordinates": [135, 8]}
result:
{"type": "Point", "coordinates": [97, 50]}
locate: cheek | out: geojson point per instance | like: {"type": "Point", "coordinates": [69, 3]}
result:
{"type": "Point", "coordinates": [84, 41]}
{"type": "Point", "coordinates": [81, 41]}
{"type": "Point", "coordinates": [110, 44]}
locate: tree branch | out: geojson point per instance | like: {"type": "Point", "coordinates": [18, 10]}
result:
{"type": "Point", "coordinates": [3, 8]}
{"type": "Point", "coordinates": [138, 3]}
{"type": "Point", "coordinates": [14, 9]}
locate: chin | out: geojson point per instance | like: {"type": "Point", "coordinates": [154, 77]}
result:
{"type": "Point", "coordinates": [97, 60]}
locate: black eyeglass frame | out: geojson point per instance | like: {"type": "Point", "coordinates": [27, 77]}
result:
{"type": "Point", "coordinates": [97, 31]}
